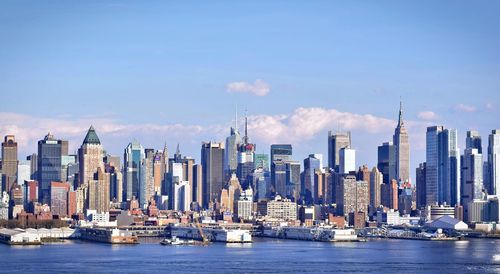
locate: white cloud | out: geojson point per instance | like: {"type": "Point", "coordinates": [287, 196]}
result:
{"type": "Point", "coordinates": [465, 108]}
{"type": "Point", "coordinates": [305, 123]}
{"type": "Point", "coordinates": [258, 88]}
{"type": "Point", "coordinates": [427, 115]}
{"type": "Point", "coordinates": [28, 130]}
{"type": "Point", "coordinates": [489, 106]}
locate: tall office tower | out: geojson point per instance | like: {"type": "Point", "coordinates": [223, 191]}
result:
{"type": "Point", "coordinates": [472, 178]}
{"type": "Point", "coordinates": [132, 169]}
{"type": "Point", "coordinates": [473, 140]}
{"type": "Point", "coordinates": [231, 151]}
{"type": "Point", "coordinates": [262, 184]}
{"type": "Point", "coordinates": [197, 184]}
{"type": "Point", "coordinates": [442, 166]}
{"type": "Point", "coordinates": [49, 166]}
{"type": "Point", "coordinates": [421, 185]}
{"type": "Point", "coordinates": [33, 158]}
{"type": "Point", "coordinates": [311, 165]}
{"type": "Point", "coordinates": [160, 164]}
{"type": "Point", "coordinates": [432, 165]}
{"type": "Point", "coordinates": [115, 182]}
{"type": "Point", "coordinates": [337, 141]}
{"type": "Point", "coordinates": [30, 193]}
{"type": "Point", "coordinates": [90, 157]}
{"type": "Point", "coordinates": [181, 195]}
{"type": "Point", "coordinates": [59, 198]}
{"type": "Point", "coordinates": [386, 161]}
{"type": "Point", "coordinates": [347, 160]}
{"type": "Point", "coordinates": [9, 160]}
{"type": "Point", "coordinates": [212, 161]}
{"type": "Point", "coordinates": [375, 187]}
{"type": "Point", "coordinates": [292, 182]}
{"type": "Point", "coordinates": [352, 195]}
{"type": "Point", "coordinates": [147, 190]}
{"type": "Point", "coordinates": [246, 164]}
{"type": "Point", "coordinates": [280, 153]}
{"type": "Point", "coordinates": [390, 194]}
{"type": "Point", "coordinates": [451, 167]}
{"type": "Point", "coordinates": [278, 175]}
{"type": "Point", "coordinates": [401, 149]}
{"type": "Point", "coordinates": [98, 192]}
{"type": "Point", "coordinates": [494, 162]}
{"type": "Point", "coordinates": [363, 174]}
{"type": "Point", "coordinates": [230, 195]}
{"type": "Point", "coordinates": [261, 161]}
{"type": "Point", "coordinates": [322, 187]}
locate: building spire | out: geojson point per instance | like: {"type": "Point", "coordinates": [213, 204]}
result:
{"type": "Point", "coordinates": [245, 139]}
{"type": "Point", "coordinates": [400, 119]}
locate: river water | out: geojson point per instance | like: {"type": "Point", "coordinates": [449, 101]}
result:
{"type": "Point", "coordinates": [262, 256]}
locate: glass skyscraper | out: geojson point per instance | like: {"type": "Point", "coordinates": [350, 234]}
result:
{"type": "Point", "coordinates": [133, 169]}
{"type": "Point", "coordinates": [49, 165]}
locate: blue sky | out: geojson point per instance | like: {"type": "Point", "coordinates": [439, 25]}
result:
{"type": "Point", "coordinates": [159, 71]}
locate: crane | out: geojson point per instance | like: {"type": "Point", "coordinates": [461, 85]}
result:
{"type": "Point", "coordinates": [200, 230]}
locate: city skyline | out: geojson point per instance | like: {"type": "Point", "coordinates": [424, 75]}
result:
{"type": "Point", "coordinates": [332, 76]}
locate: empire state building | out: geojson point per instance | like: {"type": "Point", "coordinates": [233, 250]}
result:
{"type": "Point", "coordinates": [402, 149]}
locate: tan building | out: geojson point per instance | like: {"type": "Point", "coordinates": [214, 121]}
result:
{"type": "Point", "coordinates": [282, 209]}
{"type": "Point", "coordinates": [9, 160]}
{"type": "Point", "coordinates": [90, 156]}
{"type": "Point", "coordinates": [376, 179]}
{"type": "Point", "coordinates": [230, 194]}
{"type": "Point", "coordinates": [98, 192]}
{"type": "Point", "coordinates": [402, 149]}
{"type": "Point", "coordinates": [352, 195]}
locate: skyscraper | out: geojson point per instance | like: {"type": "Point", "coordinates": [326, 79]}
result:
{"type": "Point", "coordinates": [442, 166]}
{"type": "Point", "coordinates": [212, 161]}
{"type": "Point", "coordinates": [347, 163]}
{"type": "Point", "coordinates": [231, 152]}
{"type": "Point", "coordinates": [132, 166]}
{"type": "Point", "coordinates": [49, 166]}
{"type": "Point", "coordinates": [472, 178]}
{"type": "Point", "coordinates": [386, 161]}
{"type": "Point", "coordinates": [450, 190]}
{"type": "Point", "coordinates": [421, 185]}
{"type": "Point", "coordinates": [292, 182]}
{"type": "Point", "coordinates": [494, 162]}
{"type": "Point", "coordinates": [311, 165]}
{"type": "Point", "coordinates": [9, 161]}
{"type": "Point", "coordinates": [246, 164]}
{"type": "Point", "coordinates": [98, 192]}
{"type": "Point", "coordinates": [280, 154]}
{"type": "Point", "coordinates": [90, 157]}
{"type": "Point", "coordinates": [401, 149]}
{"type": "Point", "coordinates": [375, 187]}
{"type": "Point", "coordinates": [337, 141]}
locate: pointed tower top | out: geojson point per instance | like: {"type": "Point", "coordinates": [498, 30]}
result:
{"type": "Point", "coordinates": [400, 119]}
{"type": "Point", "coordinates": [178, 150]}
{"type": "Point", "coordinates": [245, 139]}
{"type": "Point", "coordinates": [91, 137]}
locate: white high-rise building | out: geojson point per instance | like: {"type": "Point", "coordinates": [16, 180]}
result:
{"type": "Point", "coordinates": [494, 162]}
{"type": "Point", "coordinates": [347, 160]}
